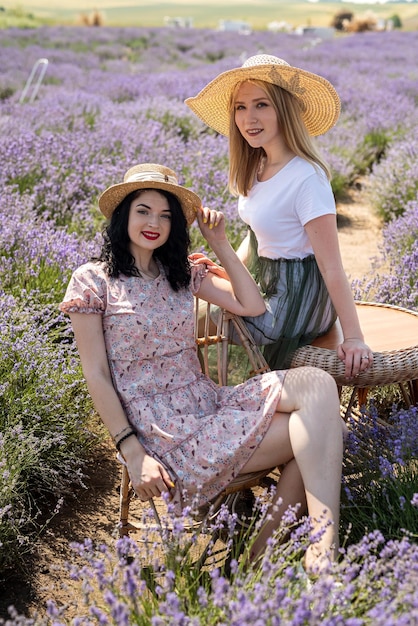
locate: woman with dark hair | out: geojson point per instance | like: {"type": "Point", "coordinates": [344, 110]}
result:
{"type": "Point", "coordinates": [173, 254]}
{"type": "Point", "coordinates": [132, 316]}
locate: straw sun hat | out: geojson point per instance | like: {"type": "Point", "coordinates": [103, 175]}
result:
{"type": "Point", "coordinates": [149, 176]}
{"type": "Point", "coordinates": [320, 102]}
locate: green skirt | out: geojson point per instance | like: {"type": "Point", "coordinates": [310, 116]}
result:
{"type": "Point", "coordinates": [298, 306]}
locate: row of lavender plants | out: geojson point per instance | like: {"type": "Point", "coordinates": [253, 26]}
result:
{"type": "Point", "coordinates": [112, 98]}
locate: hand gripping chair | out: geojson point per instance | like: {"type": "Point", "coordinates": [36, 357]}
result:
{"type": "Point", "coordinates": [213, 347]}
{"type": "Point", "coordinates": [392, 333]}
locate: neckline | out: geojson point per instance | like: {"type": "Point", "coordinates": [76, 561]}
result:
{"type": "Point", "coordinates": [282, 169]}
{"type": "Point", "coordinates": [148, 277]}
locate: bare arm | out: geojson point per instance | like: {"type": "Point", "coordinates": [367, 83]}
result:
{"type": "Point", "coordinates": [240, 293]}
{"type": "Point", "coordinates": [242, 252]}
{"type": "Point", "coordinates": [322, 233]}
{"type": "Point", "coordinates": [149, 478]}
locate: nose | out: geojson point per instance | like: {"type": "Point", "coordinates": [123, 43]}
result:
{"type": "Point", "coordinates": [152, 219]}
{"type": "Point", "coordinates": [251, 115]}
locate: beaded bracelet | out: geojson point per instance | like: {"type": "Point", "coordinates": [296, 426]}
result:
{"type": "Point", "coordinates": [132, 432]}
{"type": "Point", "coordinates": [115, 437]}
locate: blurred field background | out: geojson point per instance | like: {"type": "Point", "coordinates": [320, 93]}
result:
{"type": "Point", "coordinates": [32, 13]}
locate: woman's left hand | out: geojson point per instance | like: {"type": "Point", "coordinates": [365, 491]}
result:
{"type": "Point", "coordinates": [356, 355]}
{"type": "Point", "coordinates": [198, 258]}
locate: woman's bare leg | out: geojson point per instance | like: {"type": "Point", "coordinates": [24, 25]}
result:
{"type": "Point", "coordinates": [289, 493]}
{"type": "Point", "coordinates": [310, 431]}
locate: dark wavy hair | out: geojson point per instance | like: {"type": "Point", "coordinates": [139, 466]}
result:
{"type": "Point", "coordinates": [173, 254]}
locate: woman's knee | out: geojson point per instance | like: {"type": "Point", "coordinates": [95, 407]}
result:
{"type": "Point", "coordinates": [308, 376]}
{"type": "Point", "coordinates": [324, 385]}
{"type": "Point", "coordinates": [321, 377]}
{"type": "Point", "coordinates": [308, 386]}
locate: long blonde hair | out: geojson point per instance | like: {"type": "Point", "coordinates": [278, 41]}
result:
{"type": "Point", "coordinates": [244, 161]}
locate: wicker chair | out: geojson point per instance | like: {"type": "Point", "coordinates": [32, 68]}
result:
{"type": "Point", "coordinates": [213, 347]}
{"type": "Point", "coordinates": [208, 334]}
{"type": "Point", "coordinates": [392, 332]}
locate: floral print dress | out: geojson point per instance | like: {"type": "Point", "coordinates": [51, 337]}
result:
{"type": "Point", "coordinates": [202, 433]}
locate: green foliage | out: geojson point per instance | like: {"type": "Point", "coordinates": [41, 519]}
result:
{"type": "Point", "coordinates": [394, 180]}
{"type": "Point", "coordinates": [135, 47]}
{"type": "Point", "coordinates": [45, 413]}
{"type": "Point", "coordinates": [138, 43]}
{"type": "Point", "coordinates": [89, 116]}
{"type": "Point", "coordinates": [396, 20]}
{"type": "Point", "coordinates": [40, 276]}
{"type": "Point", "coordinates": [26, 181]}
{"type": "Point", "coordinates": [381, 475]}
{"type": "Point", "coordinates": [52, 80]}
{"type": "Point", "coordinates": [170, 564]}
{"type": "Point", "coordinates": [214, 56]}
{"type": "Point", "coordinates": [341, 19]}
{"type": "Point", "coordinates": [184, 125]}
{"type": "Point", "coordinates": [384, 504]}
{"type": "Point", "coordinates": [17, 17]}
{"type": "Point", "coordinates": [6, 92]}
{"type": "Point", "coordinates": [372, 150]}
{"type": "Point", "coordinates": [159, 582]}
{"type": "Point", "coordinates": [339, 184]}
{"type": "Point", "coordinates": [235, 233]}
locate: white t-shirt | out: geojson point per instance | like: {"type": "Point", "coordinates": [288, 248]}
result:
{"type": "Point", "coordinates": [278, 209]}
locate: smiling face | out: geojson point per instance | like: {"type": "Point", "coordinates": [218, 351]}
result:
{"type": "Point", "coordinates": [149, 221]}
{"type": "Point", "coordinates": [255, 116]}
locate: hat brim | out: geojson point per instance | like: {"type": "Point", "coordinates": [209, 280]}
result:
{"type": "Point", "coordinates": [320, 102]}
{"type": "Point", "coordinates": [113, 196]}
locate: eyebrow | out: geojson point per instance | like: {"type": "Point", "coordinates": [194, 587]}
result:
{"type": "Point", "coordinates": [252, 100]}
{"type": "Point", "coordinates": [146, 206]}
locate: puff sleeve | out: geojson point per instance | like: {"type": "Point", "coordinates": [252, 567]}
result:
{"type": "Point", "coordinates": [86, 292]}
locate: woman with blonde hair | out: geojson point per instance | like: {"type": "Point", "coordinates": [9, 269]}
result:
{"type": "Point", "coordinates": [271, 111]}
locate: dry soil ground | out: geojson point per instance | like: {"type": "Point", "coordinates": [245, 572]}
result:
{"type": "Point", "coordinates": [359, 230]}
{"type": "Point", "coordinates": [93, 512]}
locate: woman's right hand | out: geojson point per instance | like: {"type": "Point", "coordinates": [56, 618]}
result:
{"type": "Point", "coordinates": [148, 477]}
{"type": "Point", "coordinates": [211, 224]}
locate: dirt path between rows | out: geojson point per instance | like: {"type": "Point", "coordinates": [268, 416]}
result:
{"type": "Point", "coordinates": [359, 230]}
{"type": "Point", "coordinates": [93, 511]}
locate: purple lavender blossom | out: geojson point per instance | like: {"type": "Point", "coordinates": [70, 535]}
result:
{"type": "Point", "coordinates": [114, 97]}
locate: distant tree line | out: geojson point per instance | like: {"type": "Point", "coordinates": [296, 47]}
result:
{"type": "Point", "coordinates": [347, 21]}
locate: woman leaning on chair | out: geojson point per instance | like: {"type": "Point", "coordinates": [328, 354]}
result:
{"type": "Point", "coordinates": [270, 112]}
{"type": "Point", "coordinates": [132, 315]}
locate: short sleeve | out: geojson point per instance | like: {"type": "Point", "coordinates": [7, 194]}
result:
{"type": "Point", "coordinates": [86, 292]}
{"type": "Point", "coordinates": [315, 198]}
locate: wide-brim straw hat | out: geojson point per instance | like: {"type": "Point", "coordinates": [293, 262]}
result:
{"type": "Point", "coordinates": [150, 176]}
{"type": "Point", "coordinates": [320, 103]}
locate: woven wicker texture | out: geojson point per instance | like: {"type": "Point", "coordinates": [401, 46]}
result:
{"type": "Point", "coordinates": [388, 367]}
{"type": "Point", "coordinates": [383, 326]}
{"type": "Point", "coordinates": [207, 334]}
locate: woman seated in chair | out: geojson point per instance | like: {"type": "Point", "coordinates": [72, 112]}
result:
{"type": "Point", "coordinates": [132, 315]}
